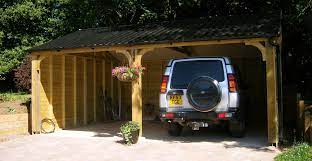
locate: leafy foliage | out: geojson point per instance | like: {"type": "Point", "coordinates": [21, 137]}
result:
{"type": "Point", "coordinates": [24, 24]}
{"type": "Point", "coordinates": [22, 76]}
{"type": "Point", "coordinates": [127, 129]}
{"type": "Point", "coordinates": [9, 97]}
{"type": "Point", "coordinates": [300, 152]}
{"type": "Point", "coordinates": [27, 23]}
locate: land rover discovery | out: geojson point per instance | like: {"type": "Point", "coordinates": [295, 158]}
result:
{"type": "Point", "coordinates": [201, 92]}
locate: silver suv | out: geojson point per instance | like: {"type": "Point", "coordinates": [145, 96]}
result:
{"type": "Point", "coordinates": [200, 92]}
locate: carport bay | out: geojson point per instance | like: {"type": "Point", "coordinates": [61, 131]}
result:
{"type": "Point", "coordinates": [71, 76]}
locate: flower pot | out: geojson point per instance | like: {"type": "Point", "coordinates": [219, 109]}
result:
{"type": "Point", "coordinates": [123, 79]}
{"type": "Point", "coordinates": [127, 74]}
{"type": "Point", "coordinates": [135, 136]}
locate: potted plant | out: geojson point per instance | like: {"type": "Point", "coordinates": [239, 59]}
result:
{"type": "Point", "coordinates": [130, 132]}
{"type": "Point", "coordinates": [128, 74]}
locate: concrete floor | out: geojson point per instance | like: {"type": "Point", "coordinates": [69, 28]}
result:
{"type": "Point", "coordinates": [103, 142]}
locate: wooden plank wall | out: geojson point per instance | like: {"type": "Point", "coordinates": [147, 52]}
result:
{"type": "Point", "coordinates": [80, 92]}
{"type": "Point", "coordinates": [47, 111]}
{"type": "Point", "coordinates": [151, 82]}
{"type": "Point", "coordinates": [57, 90]}
{"type": "Point", "coordinates": [151, 85]}
{"type": "Point", "coordinates": [99, 91]}
{"type": "Point", "coordinates": [69, 92]}
{"type": "Point", "coordinates": [108, 80]}
{"type": "Point", "coordinates": [69, 105]}
{"type": "Point", "coordinates": [85, 95]}
{"type": "Point", "coordinates": [90, 111]}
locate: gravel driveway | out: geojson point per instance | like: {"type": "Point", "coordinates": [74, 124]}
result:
{"type": "Point", "coordinates": [102, 142]}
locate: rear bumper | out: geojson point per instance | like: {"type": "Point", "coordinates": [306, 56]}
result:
{"type": "Point", "coordinates": [189, 115]}
{"type": "Point", "coordinates": [185, 116]}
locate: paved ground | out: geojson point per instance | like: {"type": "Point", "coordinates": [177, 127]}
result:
{"type": "Point", "coordinates": [103, 142]}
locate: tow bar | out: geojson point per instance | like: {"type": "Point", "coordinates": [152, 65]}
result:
{"type": "Point", "coordinates": [197, 125]}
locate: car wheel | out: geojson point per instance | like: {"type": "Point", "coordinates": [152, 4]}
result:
{"type": "Point", "coordinates": [174, 129]}
{"type": "Point", "coordinates": [237, 128]}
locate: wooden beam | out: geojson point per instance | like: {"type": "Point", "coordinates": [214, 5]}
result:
{"type": "Point", "coordinates": [75, 89]}
{"type": "Point", "coordinates": [94, 90]}
{"type": "Point", "coordinates": [35, 93]}
{"type": "Point", "coordinates": [137, 91]}
{"type": "Point", "coordinates": [84, 55]}
{"type": "Point", "coordinates": [272, 104]}
{"type": "Point", "coordinates": [183, 50]}
{"type": "Point", "coordinates": [300, 118]}
{"type": "Point", "coordinates": [103, 87]}
{"type": "Point", "coordinates": [112, 85]}
{"type": "Point", "coordinates": [85, 91]}
{"type": "Point", "coordinates": [119, 100]}
{"type": "Point", "coordinates": [35, 96]}
{"type": "Point", "coordinates": [146, 46]}
{"type": "Point", "coordinates": [51, 82]}
{"type": "Point", "coordinates": [63, 93]}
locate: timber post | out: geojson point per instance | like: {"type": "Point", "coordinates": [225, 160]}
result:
{"type": "Point", "coordinates": [272, 105]}
{"type": "Point", "coordinates": [35, 96]}
{"type": "Point", "coordinates": [137, 107]}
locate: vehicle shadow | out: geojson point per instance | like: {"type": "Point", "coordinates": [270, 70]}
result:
{"type": "Point", "coordinates": [254, 139]}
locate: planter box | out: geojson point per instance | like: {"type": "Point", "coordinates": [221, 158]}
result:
{"type": "Point", "coordinates": [13, 124]}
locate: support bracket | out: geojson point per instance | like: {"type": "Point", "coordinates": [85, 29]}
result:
{"type": "Point", "coordinates": [259, 46]}
{"type": "Point", "coordinates": [127, 54]}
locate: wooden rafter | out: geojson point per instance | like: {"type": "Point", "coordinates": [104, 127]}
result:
{"type": "Point", "coordinates": [148, 46]}
{"type": "Point", "coordinates": [182, 49]}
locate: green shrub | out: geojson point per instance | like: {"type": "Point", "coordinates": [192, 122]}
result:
{"type": "Point", "coordinates": [10, 96]}
{"type": "Point", "coordinates": [299, 152]}
{"type": "Point", "coordinates": [22, 76]}
{"type": "Point", "coordinates": [127, 129]}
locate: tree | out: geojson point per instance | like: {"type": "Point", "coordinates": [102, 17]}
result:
{"type": "Point", "coordinates": [27, 23]}
{"type": "Point", "coordinates": [24, 24]}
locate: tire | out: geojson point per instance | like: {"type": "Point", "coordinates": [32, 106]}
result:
{"type": "Point", "coordinates": [49, 123]}
{"type": "Point", "coordinates": [204, 93]}
{"type": "Point", "coordinates": [174, 129]}
{"type": "Point", "coordinates": [237, 128]}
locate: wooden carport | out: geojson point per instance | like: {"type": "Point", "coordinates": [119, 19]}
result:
{"type": "Point", "coordinates": [69, 54]}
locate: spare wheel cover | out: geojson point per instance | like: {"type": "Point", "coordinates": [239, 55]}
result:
{"type": "Point", "coordinates": [204, 93]}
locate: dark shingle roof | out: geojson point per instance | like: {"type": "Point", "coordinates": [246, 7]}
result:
{"type": "Point", "coordinates": [217, 28]}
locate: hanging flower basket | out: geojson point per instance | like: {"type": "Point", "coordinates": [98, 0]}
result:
{"type": "Point", "coordinates": [128, 74]}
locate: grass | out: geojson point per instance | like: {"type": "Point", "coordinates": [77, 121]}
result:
{"type": "Point", "coordinates": [10, 96]}
{"type": "Point", "coordinates": [299, 152]}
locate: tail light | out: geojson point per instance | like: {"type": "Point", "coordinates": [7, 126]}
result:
{"type": "Point", "coordinates": [169, 115]}
{"type": "Point", "coordinates": [221, 115]}
{"type": "Point", "coordinates": [224, 115]}
{"type": "Point", "coordinates": [164, 82]}
{"type": "Point", "coordinates": [232, 83]}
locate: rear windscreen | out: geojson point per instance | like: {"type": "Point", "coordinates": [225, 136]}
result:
{"type": "Point", "coordinates": [185, 71]}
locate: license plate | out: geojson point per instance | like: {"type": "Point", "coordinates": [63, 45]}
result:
{"type": "Point", "coordinates": [175, 100]}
